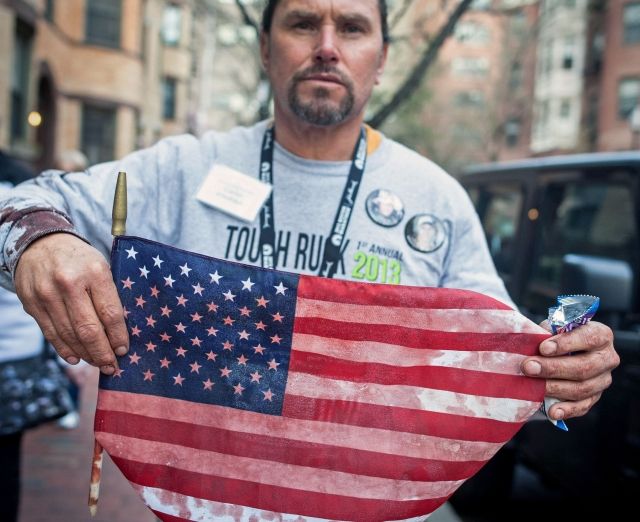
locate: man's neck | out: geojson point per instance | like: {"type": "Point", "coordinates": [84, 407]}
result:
{"type": "Point", "coordinates": [333, 143]}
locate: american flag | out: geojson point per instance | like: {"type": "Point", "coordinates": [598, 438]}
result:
{"type": "Point", "coordinates": [252, 394]}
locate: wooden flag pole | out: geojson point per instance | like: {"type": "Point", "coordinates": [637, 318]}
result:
{"type": "Point", "coordinates": [118, 228]}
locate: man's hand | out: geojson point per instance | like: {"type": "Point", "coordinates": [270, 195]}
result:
{"type": "Point", "coordinates": [578, 380]}
{"type": "Point", "coordinates": [66, 285]}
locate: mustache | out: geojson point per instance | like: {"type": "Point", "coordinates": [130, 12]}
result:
{"type": "Point", "coordinates": [321, 69]}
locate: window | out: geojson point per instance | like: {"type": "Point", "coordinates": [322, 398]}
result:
{"type": "Point", "coordinates": [169, 98]}
{"type": "Point", "coordinates": [470, 66]}
{"type": "Point", "coordinates": [516, 75]}
{"type": "Point", "coordinates": [103, 22]}
{"type": "Point", "coordinates": [512, 129]}
{"type": "Point", "coordinates": [568, 53]}
{"type": "Point", "coordinates": [49, 10]}
{"type": "Point", "coordinates": [171, 24]}
{"type": "Point", "coordinates": [628, 97]}
{"type": "Point", "coordinates": [631, 23]}
{"type": "Point", "coordinates": [471, 32]}
{"type": "Point", "coordinates": [500, 207]}
{"type": "Point", "coordinates": [98, 133]}
{"type": "Point", "coordinates": [565, 108]}
{"type": "Point", "coordinates": [20, 80]}
{"type": "Point", "coordinates": [469, 99]}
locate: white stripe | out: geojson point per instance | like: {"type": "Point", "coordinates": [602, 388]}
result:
{"type": "Point", "coordinates": [201, 510]}
{"type": "Point", "coordinates": [371, 352]}
{"type": "Point", "coordinates": [412, 397]}
{"type": "Point", "coordinates": [354, 437]}
{"type": "Point", "coordinates": [452, 320]}
{"type": "Point", "coordinates": [272, 473]}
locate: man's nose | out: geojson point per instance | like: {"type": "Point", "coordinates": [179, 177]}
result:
{"type": "Point", "coordinates": [327, 46]}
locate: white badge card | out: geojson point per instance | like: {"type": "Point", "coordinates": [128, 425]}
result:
{"type": "Point", "coordinates": [233, 192]}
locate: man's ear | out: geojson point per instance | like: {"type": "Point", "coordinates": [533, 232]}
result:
{"type": "Point", "coordinates": [383, 61]}
{"type": "Point", "coordinates": [264, 50]}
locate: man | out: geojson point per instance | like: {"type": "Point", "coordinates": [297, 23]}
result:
{"type": "Point", "coordinates": [323, 58]}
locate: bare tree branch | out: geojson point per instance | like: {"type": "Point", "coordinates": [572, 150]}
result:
{"type": "Point", "coordinates": [248, 19]}
{"type": "Point", "coordinates": [400, 13]}
{"type": "Point", "coordinates": [415, 78]}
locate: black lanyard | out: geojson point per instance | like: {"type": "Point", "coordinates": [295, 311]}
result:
{"type": "Point", "coordinates": [334, 243]}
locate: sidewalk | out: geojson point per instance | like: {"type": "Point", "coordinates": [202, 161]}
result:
{"type": "Point", "coordinates": [56, 468]}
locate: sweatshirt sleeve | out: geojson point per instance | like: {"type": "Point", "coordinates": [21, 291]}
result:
{"type": "Point", "coordinates": [81, 203]}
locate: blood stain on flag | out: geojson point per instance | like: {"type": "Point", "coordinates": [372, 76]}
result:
{"type": "Point", "coordinates": [252, 394]}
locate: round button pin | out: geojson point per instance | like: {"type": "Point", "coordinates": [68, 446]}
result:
{"type": "Point", "coordinates": [384, 208]}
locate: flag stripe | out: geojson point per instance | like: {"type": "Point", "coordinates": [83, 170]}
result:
{"type": "Point", "coordinates": [272, 498]}
{"type": "Point", "coordinates": [449, 427]}
{"type": "Point", "coordinates": [383, 440]}
{"type": "Point", "coordinates": [376, 352]}
{"type": "Point", "coordinates": [410, 397]}
{"type": "Point", "coordinates": [389, 295]}
{"type": "Point", "coordinates": [303, 453]}
{"type": "Point", "coordinates": [450, 320]}
{"type": "Point", "coordinates": [270, 473]}
{"type": "Point", "coordinates": [447, 379]}
{"type": "Point", "coordinates": [413, 338]}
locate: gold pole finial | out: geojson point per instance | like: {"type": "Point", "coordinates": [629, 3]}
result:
{"type": "Point", "coordinates": [119, 214]}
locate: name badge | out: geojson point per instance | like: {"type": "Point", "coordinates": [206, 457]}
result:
{"type": "Point", "coordinates": [233, 192]}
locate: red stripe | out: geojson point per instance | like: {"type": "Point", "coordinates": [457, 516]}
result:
{"type": "Point", "coordinates": [399, 419]}
{"type": "Point", "coordinates": [392, 295]}
{"type": "Point", "coordinates": [433, 377]}
{"type": "Point", "coordinates": [271, 498]}
{"type": "Point", "coordinates": [288, 451]}
{"type": "Point", "coordinates": [167, 518]}
{"type": "Point", "coordinates": [525, 344]}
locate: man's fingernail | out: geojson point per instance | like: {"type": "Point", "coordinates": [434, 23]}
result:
{"type": "Point", "coordinates": [107, 370]}
{"type": "Point", "coordinates": [121, 350]}
{"type": "Point", "coordinates": [533, 368]}
{"type": "Point", "coordinates": [549, 347]}
{"type": "Point", "coordinates": [558, 414]}
{"type": "Point", "coordinates": [72, 360]}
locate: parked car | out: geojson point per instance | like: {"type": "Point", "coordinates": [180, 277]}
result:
{"type": "Point", "coordinates": [556, 225]}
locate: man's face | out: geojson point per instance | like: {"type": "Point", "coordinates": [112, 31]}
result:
{"type": "Point", "coordinates": [323, 58]}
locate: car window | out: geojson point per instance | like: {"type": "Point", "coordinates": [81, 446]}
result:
{"type": "Point", "coordinates": [500, 207]}
{"type": "Point", "coordinates": [583, 218]}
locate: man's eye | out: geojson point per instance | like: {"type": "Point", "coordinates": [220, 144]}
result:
{"type": "Point", "coordinates": [352, 28]}
{"type": "Point", "coordinates": [303, 25]}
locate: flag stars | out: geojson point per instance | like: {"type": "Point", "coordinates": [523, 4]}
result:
{"type": "Point", "coordinates": [197, 289]}
{"type": "Point", "coordinates": [144, 272]}
{"type": "Point", "coordinates": [140, 302]}
{"type": "Point", "coordinates": [228, 296]}
{"type": "Point", "coordinates": [211, 356]}
{"type": "Point", "coordinates": [273, 365]}
{"type": "Point", "coordinates": [212, 307]}
{"type": "Point", "coordinates": [178, 380]}
{"type": "Point", "coordinates": [157, 261]}
{"type": "Point", "coordinates": [225, 372]}
{"type": "Point", "coordinates": [227, 346]}
{"type": "Point", "coordinates": [242, 360]}
{"type": "Point", "coordinates": [164, 363]}
{"type": "Point", "coordinates": [280, 288]}
{"type": "Point", "coordinates": [238, 389]}
{"type": "Point", "coordinates": [182, 300]}
{"type": "Point", "coordinates": [168, 281]}
{"type": "Point", "coordinates": [151, 321]}
{"type": "Point", "coordinates": [195, 367]}
{"type": "Point", "coordinates": [255, 377]}
{"type": "Point", "coordinates": [181, 328]}
{"type": "Point", "coordinates": [184, 270]}
{"type": "Point", "coordinates": [148, 375]}
{"type": "Point", "coordinates": [262, 301]}
{"type": "Point", "coordinates": [277, 317]}
{"type": "Point", "coordinates": [125, 312]}
{"type": "Point", "coordinates": [245, 311]}
{"type": "Point", "coordinates": [261, 326]}
{"type": "Point", "coordinates": [134, 358]}
{"type": "Point", "coordinates": [118, 372]}
{"type": "Point", "coordinates": [244, 335]}
{"type": "Point", "coordinates": [247, 285]}
{"type": "Point", "coordinates": [276, 339]}
{"type": "Point", "coordinates": [135, 331]}
{"type": "Point", "coordinates": [165, 337]}
{"type": "Point", "coordinates": [166, 311]}
{"type": "Point", "coordinates": [196, 318]}
{"type": "Point", "coordinates": [127, 283]}
{"type": "Point", "coordinates": [151, 347]}
{"type": "Point", "coordinates": [181, 352]}
{"type": "Point", "coordinates": [259, 349]}
{"type": "Point", "coordinates": [207, 385]}
{"type": "Point", "coordinates": [268, 395]}
{"type": "Point", "coordinates": [212, 332]}
{"type": "Point", "coordinates": [228, 321]}
{"type": "Point", "coordinates": [215, 277]}
{"type": "Point", "coordinates": [196, 342]}
{"type": "Point", "coordinates": [154, 291]}
{"type": "Point", "coordinates": [131, 253]}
